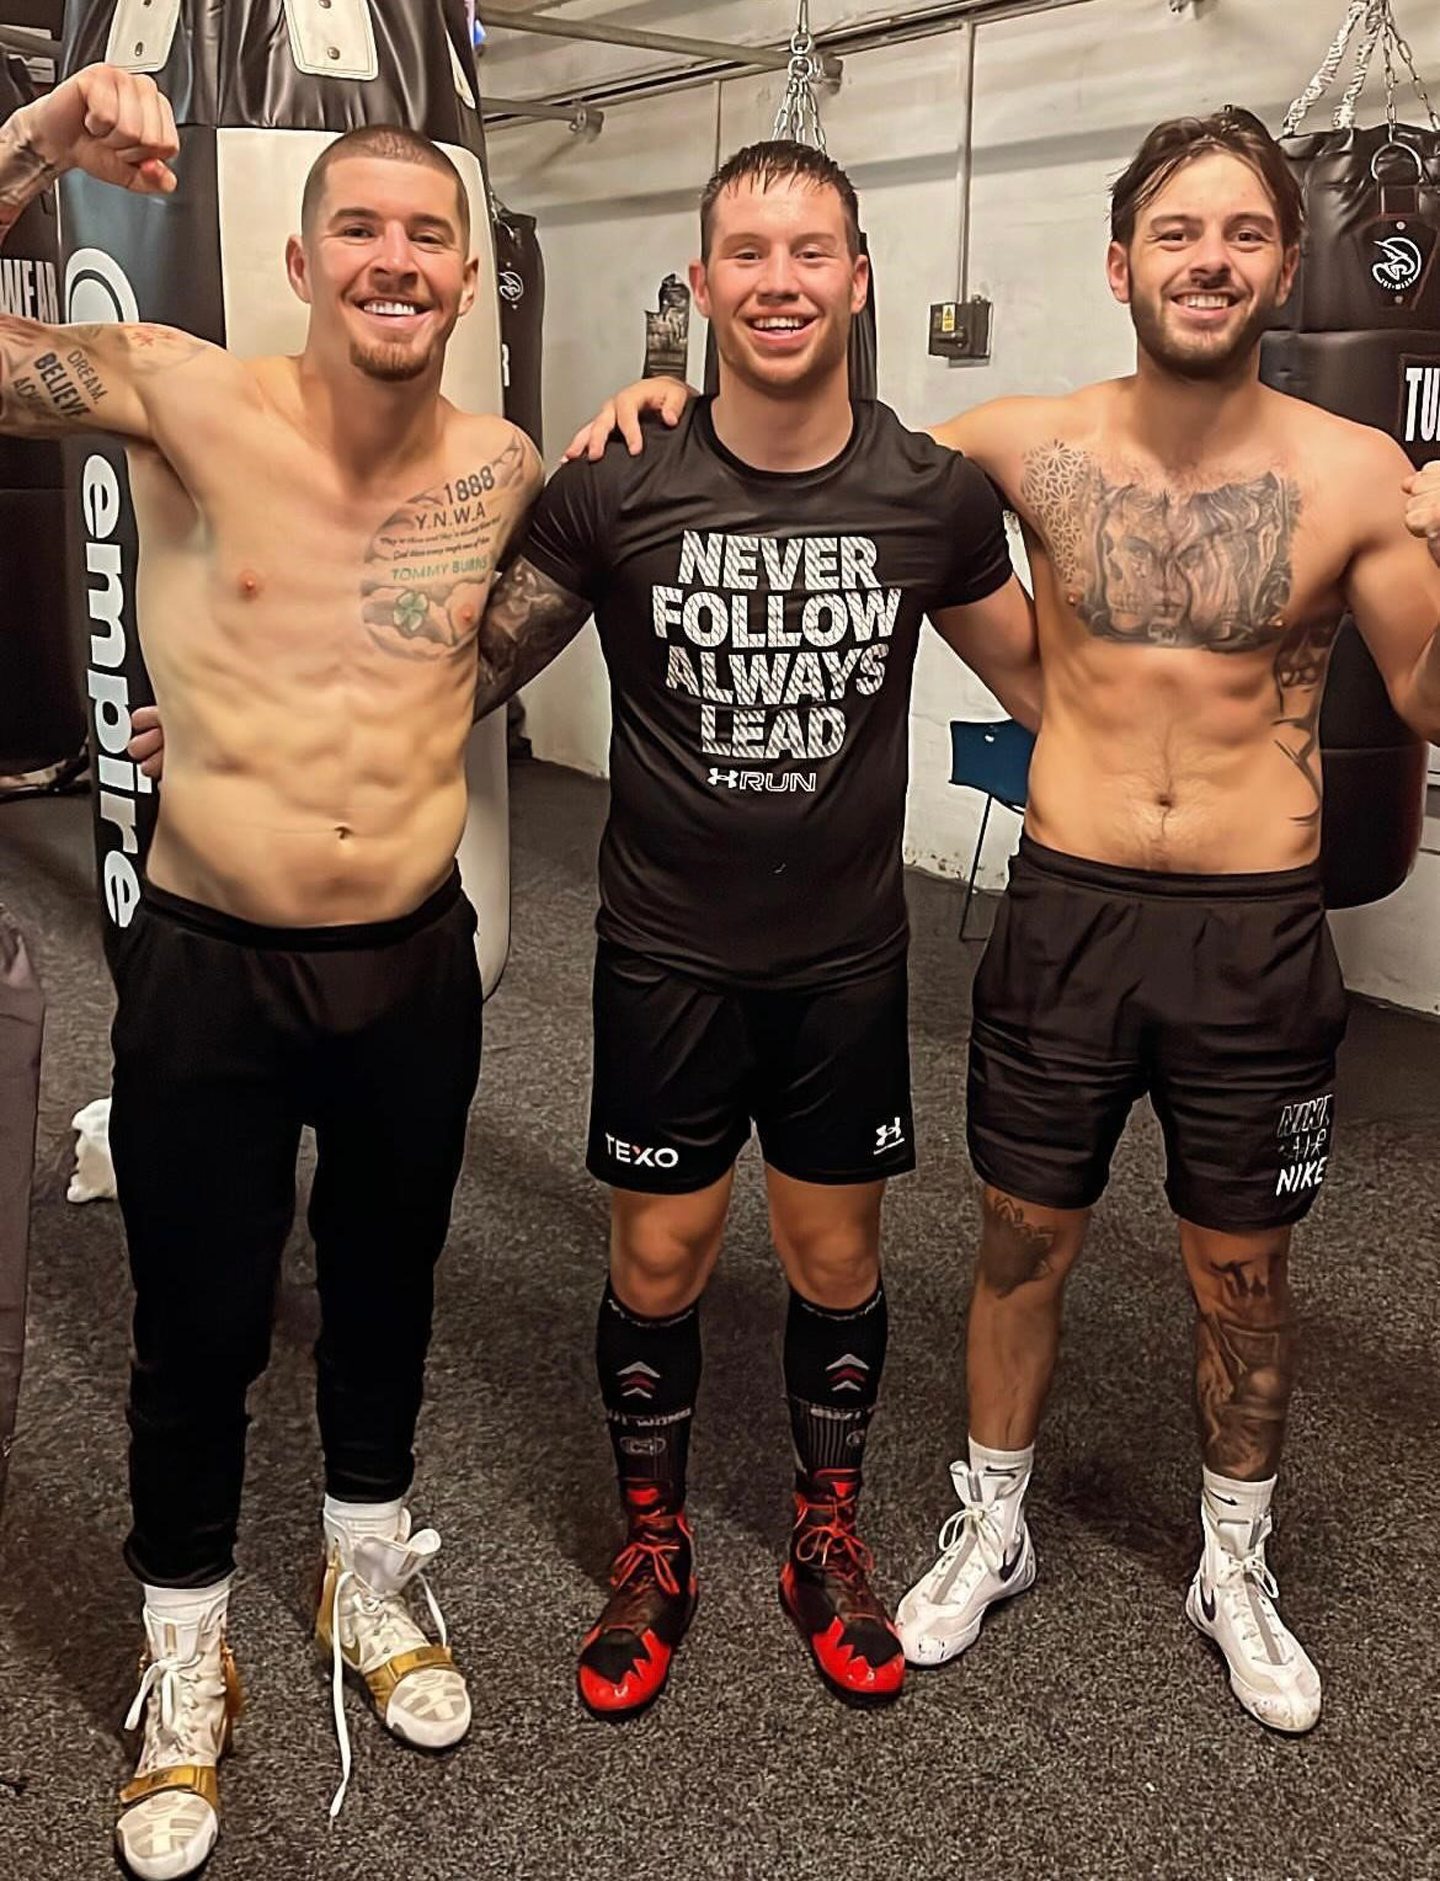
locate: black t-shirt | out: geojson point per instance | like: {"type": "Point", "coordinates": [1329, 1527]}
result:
{"type": "Point", "coordinates": [760, 628]}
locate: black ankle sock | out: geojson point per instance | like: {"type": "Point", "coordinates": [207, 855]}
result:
{"type": "Point", "coordinates": [649, 1375]}
{"type": "Point", "coordinates": [833, 1362]}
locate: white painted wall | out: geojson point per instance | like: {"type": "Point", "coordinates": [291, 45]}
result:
{"type": "Point", "coordinates": [1061, 101]}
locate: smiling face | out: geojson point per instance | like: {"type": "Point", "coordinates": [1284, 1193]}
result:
{"type": "Point", "coordinates": [1206, 268]}
{"type": "Point", "coordinates": [780, 284]}
{"type": "Point", "coordinates": [383, 267]}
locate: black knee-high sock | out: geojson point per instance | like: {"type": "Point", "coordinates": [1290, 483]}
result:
{"type": "Point", "coordinates": [833, 1362]}
{"type": "Point", "coordinates": [649, 1376]}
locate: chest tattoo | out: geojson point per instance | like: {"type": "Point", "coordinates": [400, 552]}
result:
{"type": "Point", "coordinates": [428, 567]}
{"type": "Point", "coordinates": [1151, 565]}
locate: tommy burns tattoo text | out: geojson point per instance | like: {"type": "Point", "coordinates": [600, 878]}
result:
{"type": "Point", "coordinates": [429, 566]}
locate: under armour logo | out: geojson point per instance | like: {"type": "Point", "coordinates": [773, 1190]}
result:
{"type": "Point", "coordinates": [889, 1136]}
{"type": "Point", "coordinates": [847, 1373]}
{"type": "Point", "coordinates": [638, 1380]}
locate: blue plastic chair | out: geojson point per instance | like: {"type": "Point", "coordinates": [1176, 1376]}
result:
{"type": "Point", "coordinates": [993, 756]}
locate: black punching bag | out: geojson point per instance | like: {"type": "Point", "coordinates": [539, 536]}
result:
{"type": "Point", "coordinates": [520, 278]}
{"type": "Point", "coordinates": [258, 87]}
{"type": "Point", "coordinates": [1361, 336]}
{"type": "Point", "coordinates": [864, 364]}
{"type": "Point", "coordinates": [42, 721]}
{"type": "Point", "coordinates": [22, 1019]}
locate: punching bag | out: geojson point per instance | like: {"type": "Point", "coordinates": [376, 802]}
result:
{"type": "Point", "coordinates": [1360, 335]}
{"type": "Point", "coordinates": [42, 722]}
{"type": "Point", "coordinates": [520, 278]}
{"type": "Point", "coordinates": [22, 1015]}
{"type": "Point", "coordinates": [864, 366]}
{"type": "Point", "coordinates": [258, 87]}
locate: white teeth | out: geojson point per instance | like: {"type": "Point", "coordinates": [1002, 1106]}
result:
{"type": "Point", "coordinates": [779, 326]}
{"type": "Point", "coordinates": [1204, 302]}
{"type": "Point", "coordinates": [391, 307]}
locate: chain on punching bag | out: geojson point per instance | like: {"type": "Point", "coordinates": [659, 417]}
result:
{"type": "Point", "coordinates": [798, 121]}
{"type": "Point", "coordinates": [258, 87]}
{"type": "Point", "coordinates": [1360, 336]}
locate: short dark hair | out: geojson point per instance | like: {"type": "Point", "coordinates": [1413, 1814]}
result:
{"type": "Point", "coordinates": [1178, 141]}
{"type": "Point", "coordinates": [777, 162]}
{"type": "Point", "coordinates": [396, 143]}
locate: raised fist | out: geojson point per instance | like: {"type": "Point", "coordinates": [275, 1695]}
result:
{"type": "Point", "coordinates": [112, 123]}
{"type": "Point", "coordinates": [1422, 516]}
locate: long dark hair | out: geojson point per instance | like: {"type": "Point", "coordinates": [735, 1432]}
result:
{"type": "Point", "coordinates": [1178, 141]}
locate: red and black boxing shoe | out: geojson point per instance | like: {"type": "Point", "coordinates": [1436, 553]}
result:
{"type": "Point", "coordinates": [625, 1660]}
{"type": "Point", "coordinates": [825, 1588]}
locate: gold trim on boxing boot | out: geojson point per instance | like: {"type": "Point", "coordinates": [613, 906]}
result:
{"type": "Point", "coordinates": [382, 1681]}
{"type": "Point", "coordinates": [198, 1778]}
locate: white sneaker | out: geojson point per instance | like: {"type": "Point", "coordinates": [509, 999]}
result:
{"type": "Point", "coordinates": [189, 1696]}
{"type": "Point", "coordinates": [985, 1556]}
{"type": "Point", "coordinates": [1232, 1601]}
{"type": "Point", "coordinates": [365, 1625]}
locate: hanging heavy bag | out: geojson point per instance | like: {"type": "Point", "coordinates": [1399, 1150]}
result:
{"type": "Point", "coordinates": [42, 719]}
{"type": "Point", "coordinates": [1360, 336]}
{"type": "Point", "coordinates": [520, 277]}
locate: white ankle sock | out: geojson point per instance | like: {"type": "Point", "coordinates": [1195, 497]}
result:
{"type": "Point", "coordinates": [1229, 1500]}
{"type": "Point", "coordinates": [187, 1606]}
{"type": "Point", "coordinates": [1001, 1462]}
{"type": "Point", "coordinates": [1004, 1477]}
{"type": "Point", "coordinates": [365, 1518]}
{"type": "Point", "coordinates": [1231, 1509]}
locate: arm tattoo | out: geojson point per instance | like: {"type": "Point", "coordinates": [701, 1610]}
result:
{"type": "Point", "coordinates": [1149, 564]}
{"type": "Point", "coordinates": [24, 175]}
{"type": "Point", "coordinates": [1301, 661]}
{"type": "Point", "coordinates": [1013, 1249]}
{"type": "Point", "coordinates": [529, 620]}
{"type": "Point", "coordinates": [54, 379]}
{"type": "Point", "coordinates": [428, 567]}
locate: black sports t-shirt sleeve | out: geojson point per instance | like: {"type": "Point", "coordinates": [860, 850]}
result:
{"type": "Point", "coordinates": [566, 537]}
{"type": "Point", "coordinates": [980, 552]}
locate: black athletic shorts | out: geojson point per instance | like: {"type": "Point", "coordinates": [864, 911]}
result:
{"type": "Point", "coordinates": [682, 1069]}
{"type": "Point", "coordinates": [1219, 996]}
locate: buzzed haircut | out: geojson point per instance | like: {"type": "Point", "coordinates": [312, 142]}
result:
{"type": "Point", "coordinates": [1178, 141]}
{"type": "Point", "coordinates": [396, 143]}
{"type": "Point", "coordinates": [778, 161]}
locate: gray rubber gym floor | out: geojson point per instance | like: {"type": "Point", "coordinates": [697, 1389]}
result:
{"type": "Point", "coordinates": [1089, 1733]}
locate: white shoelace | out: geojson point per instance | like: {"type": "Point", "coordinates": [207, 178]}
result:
{"type": "Point", "coordinates": [975, 1518]}
{"type": "Point", "coordinates": [173, 1718]}
{"type": "Point", "coordinates": [1251, 1571]}
{"type": "Point", "coordinates": [390, 1632]}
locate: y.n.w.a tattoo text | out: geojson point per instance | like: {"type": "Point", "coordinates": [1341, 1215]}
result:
{"type": "Point", "coordinates": [428, 566]}
{"type": "Point", "coordinates": [772, 636]}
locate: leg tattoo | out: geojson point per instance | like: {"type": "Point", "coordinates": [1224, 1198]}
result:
{"type": "Point", "coordinates": [1013, 1248]}
{"type": "Point", "coordinates": [1244, 1368]}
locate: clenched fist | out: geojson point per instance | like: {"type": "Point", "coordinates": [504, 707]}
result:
{"type": "Point", "coordinates": [1422, 516]}
{"type": "Point", "coordinates": [111, 123]}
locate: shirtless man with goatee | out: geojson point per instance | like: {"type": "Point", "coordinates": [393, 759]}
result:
{"type": "Point", "coordinates": [1195, 541]}
{"type": "Point", "coordinates": [320, 534]}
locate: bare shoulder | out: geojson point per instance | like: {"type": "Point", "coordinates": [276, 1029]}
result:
{"type": "Point", "coordinates": [498, 454]}
{"type": "Point", "coordinates": [1004, 435]}
{"type": "Point", "coordinates": [1354, 469]}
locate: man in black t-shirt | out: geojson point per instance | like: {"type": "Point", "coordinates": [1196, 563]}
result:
{"type": "Point", "coordinates": [758, 578]}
